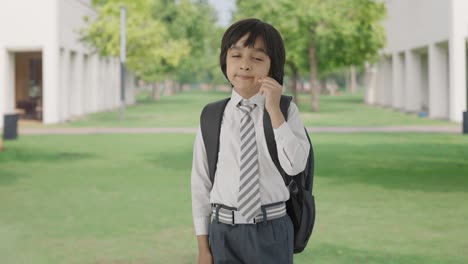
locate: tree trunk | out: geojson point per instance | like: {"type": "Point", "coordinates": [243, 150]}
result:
{"type": "Point", "coordinates": [314, 87]}
{"type": "Point", "coordinates": [168, 87]}
{"type": "Point", "coordinates": [353, 80]}
{"type": "Point", "coordinates": [294, 78]}
{"type": "Point", "coordinates": [178, 87]}
{"type": "Point", "coordinates": [156, 91]}
{"type": "Point", "coordinates": [294, 86]}
{"type": "Point", "coordinates": [348, 81]}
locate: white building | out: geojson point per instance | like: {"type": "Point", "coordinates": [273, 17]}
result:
{"type": "Point", "coordinates": [46, 73]}
{"type": "Point", "coordinates": [424, 65]}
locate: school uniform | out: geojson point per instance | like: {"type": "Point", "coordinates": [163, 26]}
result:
{"type": "Point", "coordinates": [268, 237]}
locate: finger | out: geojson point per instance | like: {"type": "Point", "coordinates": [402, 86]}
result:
{"type": "Point", "coordinates": [257, 79]}
{"type": "Point", "coordinates": [269, 87]}
{"type": "Point", "coordinates": [269, 80]}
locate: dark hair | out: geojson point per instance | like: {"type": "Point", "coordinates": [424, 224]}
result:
{"type": "Point", "coordinates": [256, 28]}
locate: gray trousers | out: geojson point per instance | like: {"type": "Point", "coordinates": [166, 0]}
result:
{"type": "Point", "coordinates": [261, 243]}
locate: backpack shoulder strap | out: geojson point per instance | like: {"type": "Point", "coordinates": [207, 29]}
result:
{"type": "Point", "coordinates": [310, 167]}
{"type": "Point", "coordinates": [210, 123]}
{"type": "Point", "coordinates": [285, 101]}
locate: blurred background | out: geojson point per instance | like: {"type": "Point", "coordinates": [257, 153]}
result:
{"type": "Point", "coordinates": [96, 146]}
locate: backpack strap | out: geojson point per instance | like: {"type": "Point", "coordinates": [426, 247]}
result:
{"type": "Point", "coordinates": [210, 123]}
{"type": "Point", "coordinates": [285, 101]}
{"type": "Point", "coordinates": [310, 167]}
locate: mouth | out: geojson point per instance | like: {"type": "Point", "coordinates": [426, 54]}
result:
{"type": "Point", "coordinates": [244, 77]}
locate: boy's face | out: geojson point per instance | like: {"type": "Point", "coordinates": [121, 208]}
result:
{"type": "Point", "coordinates": [244, 65]}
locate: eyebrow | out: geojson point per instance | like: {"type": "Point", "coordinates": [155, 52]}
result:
{"type": "Point", "coordinates": [256, 49]}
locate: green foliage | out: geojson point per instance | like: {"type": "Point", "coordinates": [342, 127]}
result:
{"type": "Point", "coordinates": [149, 45]}
{"type": "Point", "coordinates": [164, 37]}
{"type": "Point", "coordinates": [195, 22]}
{"type": "Point", "coordinates": [351, 35]}
{"type": "Point", "coordinates": [344, 32]}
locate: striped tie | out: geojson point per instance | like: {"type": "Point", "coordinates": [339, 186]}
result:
{"type": "Point", "coordinates": [249, 188]}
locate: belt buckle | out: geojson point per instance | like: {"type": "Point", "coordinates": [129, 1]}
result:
{"type": "Point", "coordinates": [240, 219]}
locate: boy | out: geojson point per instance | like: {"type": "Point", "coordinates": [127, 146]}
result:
{"type": "Point", "coordinates": [246, 200]}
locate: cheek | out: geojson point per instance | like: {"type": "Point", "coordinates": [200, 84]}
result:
{"type": "Point", "coordinates": [229, 68]}
{"type": "Point", "coordinates": [229, 74]}
{"type": "Point", "coordinates": [266, 70]}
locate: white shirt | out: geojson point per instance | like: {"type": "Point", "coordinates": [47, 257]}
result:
{"type": "Point", "coordinates": [293, 149]}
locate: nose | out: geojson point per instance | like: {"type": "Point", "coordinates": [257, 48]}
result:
{"type": "Point", "coordinates": [244, 65]}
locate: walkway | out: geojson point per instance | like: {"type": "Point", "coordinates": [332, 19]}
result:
{"type": "Point", "coordinates": [189, 130]}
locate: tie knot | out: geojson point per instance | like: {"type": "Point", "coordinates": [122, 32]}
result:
{"type": "Point", "coordinates": [246, 106]}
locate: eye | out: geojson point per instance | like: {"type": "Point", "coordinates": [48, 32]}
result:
{"type": "Point", "coordinates": [259, 59]}
{"type": "Point", "coordinates": [235, 56]}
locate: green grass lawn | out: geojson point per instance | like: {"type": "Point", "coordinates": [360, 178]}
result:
{"type": "Point", "coordinates": [183, 110]}
{"type": "Point", "coordinates": [381, 198]}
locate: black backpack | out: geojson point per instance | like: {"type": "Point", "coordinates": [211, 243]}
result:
{"type": "Point", "coordinates": [301, 205]}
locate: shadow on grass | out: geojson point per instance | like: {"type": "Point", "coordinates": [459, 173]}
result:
{"type": "Point", "coordinates": [184, 98]}
{"type": "Point", "coordinates": [424, 167]}
{"type": "Point", "coordinates": [36, 155]}
{"type": "Point", "coordinates": [176, 159]}
{"type": "Point", "coordinates": [8, 176]}
{"type": "Point", "coordinates": [327, 253]}
{"type": "Point", "coordinates": [14, 156]}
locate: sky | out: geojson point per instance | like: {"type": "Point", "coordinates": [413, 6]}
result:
{"type": "Point", "coordinates": [224, 8]}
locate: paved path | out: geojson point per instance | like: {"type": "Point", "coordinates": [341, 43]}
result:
{"type": "Point", "coordinates": [190, 130]}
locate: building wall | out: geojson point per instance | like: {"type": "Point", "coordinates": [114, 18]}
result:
{"type": "Point", "coordinates": [27, 24]}
{"type": "Point", "coordinates": [415, 23]}
{"type": "Point", "coordinates": [427, 41]}
{"type": "Point", "coordinates": [98, 78]}
{"type": "Point", "coordinates": [18, 35]}
{"type": "Point", "coordinates": [70, 20]}
{"type": "Point", "coordinates": [457, 59]}
{"type": "Point", "coordinates": [76, 81]}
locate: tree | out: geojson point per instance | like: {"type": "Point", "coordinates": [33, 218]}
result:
{"type": "Point", "coordinates": [323, 35]}
{"type": "Point", "coordinates": [167, 39]}
{"type": "Point", "coordinates": [195, 22]}
{"type": "Point", "coordinates": [150, 48]}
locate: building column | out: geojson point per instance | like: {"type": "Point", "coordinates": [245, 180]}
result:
{"type": "Point", "coordinates": [413, 86]}
{"type": "Point", "coordinates": [78, 85]}
{"type": "Point", "coordinates": [51, 84]}
{"type": "Point", "coordinates": [94, 81]}
{"type": "Point", "coordinates": [380, 82]}
{"type": "Point", "coordinates": [85, 85]}
{"type": "Point", "coordinates": [7, 83]}
{"type": "Point", "coordinates": [457, 60]}
{"type": "Point", "coordinates": [116, 82]}
{"type": "Point", "coordinates": [388, 82]}
{"type": "Point", "coordinates": [3, 82]}
{"type": "Point", "coordinates": [438, 82]}
{"type": "Point", "coordinates": [64, 85]}
{"type": "Point", "coordinates": [102, 87]}
{"type": "Point", "coordinates": [72, 85]}
{"type": "Point", "coordinates": [398, 81]}
{"type": "Point", "coordinates": [370, 83]}
{"type": "Point", "coordinates": [104, 84]}
{"type": "Point", "coordinates": [424, 81]}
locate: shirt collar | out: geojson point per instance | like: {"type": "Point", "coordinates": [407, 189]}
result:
{"type": "Point", "coordinates": [257, 99]}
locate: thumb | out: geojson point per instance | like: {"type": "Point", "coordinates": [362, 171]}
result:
{"type": "Point", "coordinates": [257, 81]}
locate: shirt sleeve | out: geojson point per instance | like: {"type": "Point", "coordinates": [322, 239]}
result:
{"type": "Point", "coordinates": [292, 143]}
{"type": "Point", "coordinates": [201, 187]}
